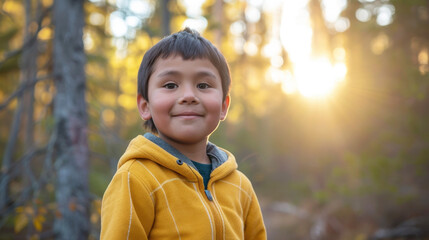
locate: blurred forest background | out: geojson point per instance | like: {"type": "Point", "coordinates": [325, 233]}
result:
{"type": "Point", "coordinates": [329, 115]}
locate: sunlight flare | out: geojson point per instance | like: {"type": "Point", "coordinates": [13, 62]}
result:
{"type": "Point", "coordinates": [317, 77]}
{"type": "Point", "coordinates": [312, 77]}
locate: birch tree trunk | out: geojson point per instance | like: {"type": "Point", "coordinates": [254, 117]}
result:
{"type": "Point", "coordinates": [72, 160]}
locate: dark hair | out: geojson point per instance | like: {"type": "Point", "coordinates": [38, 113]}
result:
{"type": "Point", "coordinates": [189, 44]}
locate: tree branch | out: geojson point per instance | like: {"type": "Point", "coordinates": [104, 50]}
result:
{"type": "Point", "coordinates": [24, 86]}
{"type": "Point", "coordinates": [8, 174]}
{"type": "Point", "coordinates": [29, 41]}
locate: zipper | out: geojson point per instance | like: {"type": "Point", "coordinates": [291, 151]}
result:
{"type": "Point", "coordinates": [217, 215]}
{"type": "Point", "coordinates": [214, 207]}
{"type": "Point", "coordinates": [208, 195]}
{"type": "Point", "coordinates": [218, 210]}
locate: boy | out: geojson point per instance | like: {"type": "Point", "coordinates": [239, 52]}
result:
{"type": "Point", "coordinates": [173, 183]}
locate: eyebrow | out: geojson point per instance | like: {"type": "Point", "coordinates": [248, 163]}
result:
{"type": "Point", "coordinates": [168, 73]}
{"type": "Point", "coordinates": [202, 73]}
{"type": "Point", "coordinates": [206, 74]}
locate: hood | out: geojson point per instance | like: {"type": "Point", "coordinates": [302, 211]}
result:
{"type": "Point", "coordinates": [152, 148]}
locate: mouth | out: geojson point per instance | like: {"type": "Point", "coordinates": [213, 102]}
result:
{"type": "Point", "coordinates": [188, 115]}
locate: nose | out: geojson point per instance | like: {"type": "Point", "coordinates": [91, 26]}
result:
{"type": "Point", "coordinates": [188, 95]}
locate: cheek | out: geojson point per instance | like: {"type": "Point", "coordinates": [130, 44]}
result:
{"type": "Point", "coordinates": [215, 107]}
{"type": "Point", "coordinates": [160, 108]}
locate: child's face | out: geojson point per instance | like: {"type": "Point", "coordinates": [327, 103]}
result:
{"type": "Point", "coordinates": [185, 99]}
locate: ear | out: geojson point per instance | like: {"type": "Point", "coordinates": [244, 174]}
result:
{"type": "Point", "coordinates": [143, 106]}
{"type": "Point", "coordinates": [225, 107]}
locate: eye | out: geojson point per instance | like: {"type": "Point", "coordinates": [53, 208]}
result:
{"type": "Point", "coordinates": [170, 86]}
{"type": "Point", "coordinates": [203, 85]}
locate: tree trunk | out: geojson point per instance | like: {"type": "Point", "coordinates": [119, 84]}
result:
{"type": "Point", "coordinates": [166, 17]}
{"type": "Point", "coordinates": [72, 159]}
{"type": "Point", "coordinates": [25, 107]}
{"type": "Point", "coordinates": [218, 15]}
{"type": "Point", "coordinates": [7, 158]}
{"type": "Point", "coordinates": [321, 42]}
{"type": "Point", "coordinates": [29, 75]}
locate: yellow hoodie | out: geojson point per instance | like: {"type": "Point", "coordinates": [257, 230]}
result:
{"type": "Point", "coordinates": [155, 195]}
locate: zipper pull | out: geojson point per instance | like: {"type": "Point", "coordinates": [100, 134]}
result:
{"type": "Point", "coordinates": [209, 195]}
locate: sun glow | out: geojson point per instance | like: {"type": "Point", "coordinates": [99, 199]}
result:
{"type": "Point", "coordinates": [317, 77]}
{"type": "Point", "coordinates": [312, 77]}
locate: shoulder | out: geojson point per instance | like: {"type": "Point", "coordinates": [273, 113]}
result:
{"type": "Point", "coordinates": [245, 181]}
{"type": "Point", "coordinates": [240, 181]}
{"type": "Point", "coordinates": [142, 172]}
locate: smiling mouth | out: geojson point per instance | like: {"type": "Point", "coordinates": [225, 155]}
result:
{"type": "Point", "coordinates": [188, 115]}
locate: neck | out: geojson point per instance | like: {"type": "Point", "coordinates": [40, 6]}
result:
{"type": "Point", "coordinates": [196, 151]}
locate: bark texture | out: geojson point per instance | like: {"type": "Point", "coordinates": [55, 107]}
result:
{"type": "Point", "coordinates": [72, 155]}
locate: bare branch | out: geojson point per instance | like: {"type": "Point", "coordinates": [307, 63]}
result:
{"type": "Point", "coordinates": [3, 12]}
{"type": "Point", "coordinates": [49, 153]}
{"type": "Point", "coordinates": [9, 173]}
{"type": "Point", "coordinates": [7, 155]}
{"type": "Point", "coordinates": [12, 171]}
{"type": "Point", "coordinates": [29, 41]}
{"type": "Point", "coordinates": [24, 86]}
